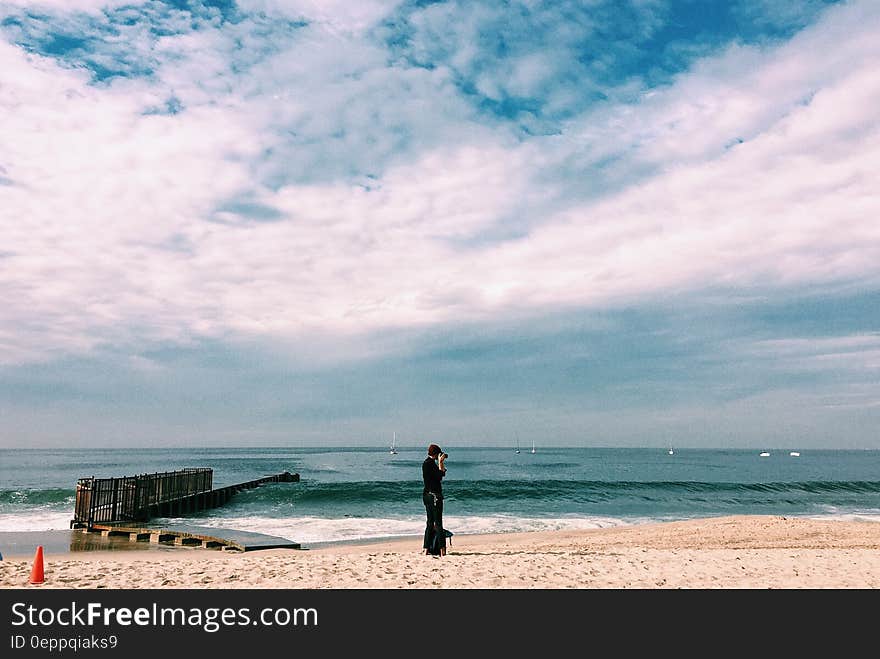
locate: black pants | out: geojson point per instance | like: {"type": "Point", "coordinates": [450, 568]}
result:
{"type": "Point", "coordinates": [435, 539]}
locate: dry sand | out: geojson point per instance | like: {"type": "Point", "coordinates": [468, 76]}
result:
{"type": "Point", "coordinates": [726, 552]}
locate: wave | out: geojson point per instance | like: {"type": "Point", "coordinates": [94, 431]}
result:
{"type": "Point", "coordinates": [306, 492]}
{"type": "Point", "coordinates": [36, 520]}
{"type": "Point", "coordinates": [35, 497]}
{"type": "Point", "coordinates": [544, 499]}
{"type": "Point", "coordinates": [307, 529]}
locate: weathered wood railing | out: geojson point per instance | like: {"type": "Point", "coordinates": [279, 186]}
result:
{"type": "Point", "coordinates": [165, 494]}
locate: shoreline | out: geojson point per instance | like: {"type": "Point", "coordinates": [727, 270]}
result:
{"type": "Point", "coordinates": [20, 545]}
{"type": "Point", "coordinates": [68, 544]}
{"type": "Point", "coordinates": [720, 552]}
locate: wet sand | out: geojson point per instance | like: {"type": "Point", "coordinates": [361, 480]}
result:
{"type": "Point", "coordinates": [23, 544]}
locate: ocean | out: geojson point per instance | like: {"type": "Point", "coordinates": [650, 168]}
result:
{"type": "Point", "coordinates": [364, 493]}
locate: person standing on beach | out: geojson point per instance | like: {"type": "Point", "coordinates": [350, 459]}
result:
{"type": "Point", "coordinates": [433, 471]}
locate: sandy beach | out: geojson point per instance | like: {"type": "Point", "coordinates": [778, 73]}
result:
{"type": "Point", "coordinates": [726, 552]}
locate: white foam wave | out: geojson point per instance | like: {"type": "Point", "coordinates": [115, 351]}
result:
{"type": "Point", "coordinates": [848, 515]}
{"type": "Point", "coordinates": [316, 530]}
{"type": "Point", "coordinates": [39, 520]}
{"type": "Point", "coordinates": [873, 516]}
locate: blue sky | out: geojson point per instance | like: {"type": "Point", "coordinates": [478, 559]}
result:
{"type": "Point", "coordinates": [267, 222]}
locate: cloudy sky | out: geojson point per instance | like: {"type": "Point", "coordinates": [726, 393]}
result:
{"type": "Point", "coordinates": [294, 222]}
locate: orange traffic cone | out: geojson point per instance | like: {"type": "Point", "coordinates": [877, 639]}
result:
{"type": "Point", "coordinates": [37, 569]}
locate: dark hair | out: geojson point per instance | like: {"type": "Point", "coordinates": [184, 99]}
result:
{"type": "Point", "coordinates": [433, 450]}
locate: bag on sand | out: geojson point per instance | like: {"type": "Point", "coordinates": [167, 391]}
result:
{"type": "Point", "coordinates": [435, 548]}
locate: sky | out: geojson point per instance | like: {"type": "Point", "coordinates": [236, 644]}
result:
{"type": "Point", "coordinates": [475, 222]}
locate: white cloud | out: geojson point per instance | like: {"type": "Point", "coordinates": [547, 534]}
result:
{"type": "Point", "coordinates": [111, 214]}
{"type": "Point", "coordinates": [818, 345]}
{"type": "Point", "coordinates": [859, 353]}
{"type": "Point", "coordinates": [97, 188]}
{"type": "Point", "coordinates": [336, 15]}
{"type": "Point", "coordinates": [91, 6]}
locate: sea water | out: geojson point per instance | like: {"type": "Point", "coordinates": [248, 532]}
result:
{"type": "Point", "coordinates": [361, 493]}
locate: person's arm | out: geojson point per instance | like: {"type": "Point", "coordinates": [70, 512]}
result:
{"type": "Point", "coordinates": [440, 464]}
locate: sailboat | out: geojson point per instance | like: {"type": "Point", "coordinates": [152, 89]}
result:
{"type": "Point", "coordinates": [517, 446]}
{"type": "Point", "coordinates": [393, 450]}
{"type": "Point", "coordinates": [671, 452]}
{"type": "Point", "coordinates": [533, 446]}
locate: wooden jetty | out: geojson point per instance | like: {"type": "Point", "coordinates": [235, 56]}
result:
{"type": "Point", "coordinates": [206, 537]}
{"type": "Point", "coordinates": [116, 506]}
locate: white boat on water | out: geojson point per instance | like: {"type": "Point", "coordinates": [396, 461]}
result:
{"type": "Point", "coordinates": [393, 450]}
{"type": "Point", "coordinates": [671, 452]}
{"type": "Point", "coordinates": [764, 454]}
{"type": "Point", "coordinates": [795, 454]}
{"type": "Point", "coordinates": [533, 447]}
{"type": "Point", "coordinates": [517, 447]}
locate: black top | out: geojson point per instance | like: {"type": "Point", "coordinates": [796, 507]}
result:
{"type": "Point", "coordinates": [432, 475]}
